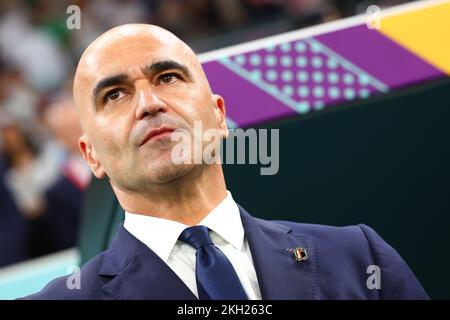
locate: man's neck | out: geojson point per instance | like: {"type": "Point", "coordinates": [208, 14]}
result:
{"type": "Point", "coordinates": [184, 200]}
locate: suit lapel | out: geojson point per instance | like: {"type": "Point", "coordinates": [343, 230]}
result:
{"type": "Point", "coordinates": [138, 273]}
{"type": "Point", "coordinates": [279, 275]}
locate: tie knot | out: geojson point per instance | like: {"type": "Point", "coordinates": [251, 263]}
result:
{"type": "Point", "coordinates": [196, 236]}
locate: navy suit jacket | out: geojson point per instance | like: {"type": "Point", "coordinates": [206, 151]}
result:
{"type": "Point", "coordinates": [336, 268]}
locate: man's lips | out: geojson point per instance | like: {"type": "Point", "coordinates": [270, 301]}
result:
{"type": "Point", "coordinates": [155, 133]}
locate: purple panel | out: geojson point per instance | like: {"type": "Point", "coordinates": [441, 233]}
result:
{"type": "Point", "coordinates": [246, 104]}
{"type": "Point", "coordinates": [315, 78]}
{"type": "Point", "coordinates": [378, 55]}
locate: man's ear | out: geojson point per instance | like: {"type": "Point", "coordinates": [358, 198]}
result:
{"type": "Point", "coordinates": [89, 155]}
{"type": "Point", "coordinates": [220, 112]}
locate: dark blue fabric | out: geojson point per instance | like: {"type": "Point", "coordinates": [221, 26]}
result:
{"type": "Point", "coordinates": [57, 228]}
{"type": "Point", "coordinates": [215, 275]}
{"type": "Point", "coordinates": [13, 229]}
{"type": "Point", "coordinates": [64, 203]}
{"type": "Point", "coordinates": [336, 268]}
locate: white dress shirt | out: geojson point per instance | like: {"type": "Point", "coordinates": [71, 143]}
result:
{"type": "Point", "coordinates": [227, 233]}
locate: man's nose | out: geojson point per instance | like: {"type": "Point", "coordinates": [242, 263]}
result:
{"type": "Point", "coordinates": [149, 104]}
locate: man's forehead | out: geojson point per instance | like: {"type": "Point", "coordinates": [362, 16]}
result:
{"type": "Point", "coordinates": [128, 48]}
{"type": "Point", "coordinates": [129, 54]}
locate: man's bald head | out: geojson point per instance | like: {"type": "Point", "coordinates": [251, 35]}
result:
{"type": "Point", "coordinates": [112, 52]}
{"type": "Point", "coordinates": [134, 80]}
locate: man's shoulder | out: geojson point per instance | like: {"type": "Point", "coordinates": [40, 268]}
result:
{"type": "Point", "coordinates": [90, 281]}
{"type": "Point", "coordinates": [353, 252]}
{"type": "Point", "coordinates": [84, 284]}
{"type": "Point", "coordinates": [358, 236]}
{"type": "Point", "coordinates": [325, 233]}
{"type": "Point", "coordinates": [359, 241]}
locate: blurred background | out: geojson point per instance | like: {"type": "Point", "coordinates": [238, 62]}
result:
{"type": "Point", "coordinates": [43, 179]}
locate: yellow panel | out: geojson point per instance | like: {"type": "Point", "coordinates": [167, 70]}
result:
{"type": "Point", "coordinates": [426, 32]}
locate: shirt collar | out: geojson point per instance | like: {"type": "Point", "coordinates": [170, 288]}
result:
{"type": "Point", "coordinates": [161, 235]}
{"type": "Point", "coordinates": [225, 220]}
{"type": "Point", "coordinates": [158, 234]}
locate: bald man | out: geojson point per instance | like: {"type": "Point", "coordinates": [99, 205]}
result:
{"type": "Point", "coordinates": [183, 236]}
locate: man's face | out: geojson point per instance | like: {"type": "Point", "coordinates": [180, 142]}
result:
{"type": "Point", "coordinates": [132, 91]}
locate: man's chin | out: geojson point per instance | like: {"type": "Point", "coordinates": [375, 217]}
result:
{"type": "Point", "coordinates": [168, 173]}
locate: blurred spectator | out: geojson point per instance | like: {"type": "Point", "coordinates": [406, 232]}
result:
{"type": "Point", "coordinates": [32, 50]}
{"type": "Point", "coordinates": [63, 199]}
{"type": "Point", "coordinates": [307, 12]}
{"type": "Point", "coordinates": [29, 171]}
{"type": "Point", "coordinates": [16, 98]}
{"type": "Point", "coordinates": [13, 229]}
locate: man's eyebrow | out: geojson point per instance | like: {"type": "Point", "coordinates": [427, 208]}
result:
{"type": "Point", "coordinates": [108, 82]}
{"type": "Point", "coordinates": [163, 65]}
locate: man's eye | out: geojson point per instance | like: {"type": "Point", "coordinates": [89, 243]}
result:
{"type": "Point", "coordinates": [113, 95]}
{"type": "Point", "coordinates": [168, 78]}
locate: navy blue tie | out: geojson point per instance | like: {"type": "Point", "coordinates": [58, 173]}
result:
{"type": "Point", "coordinates": [216, 278]}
